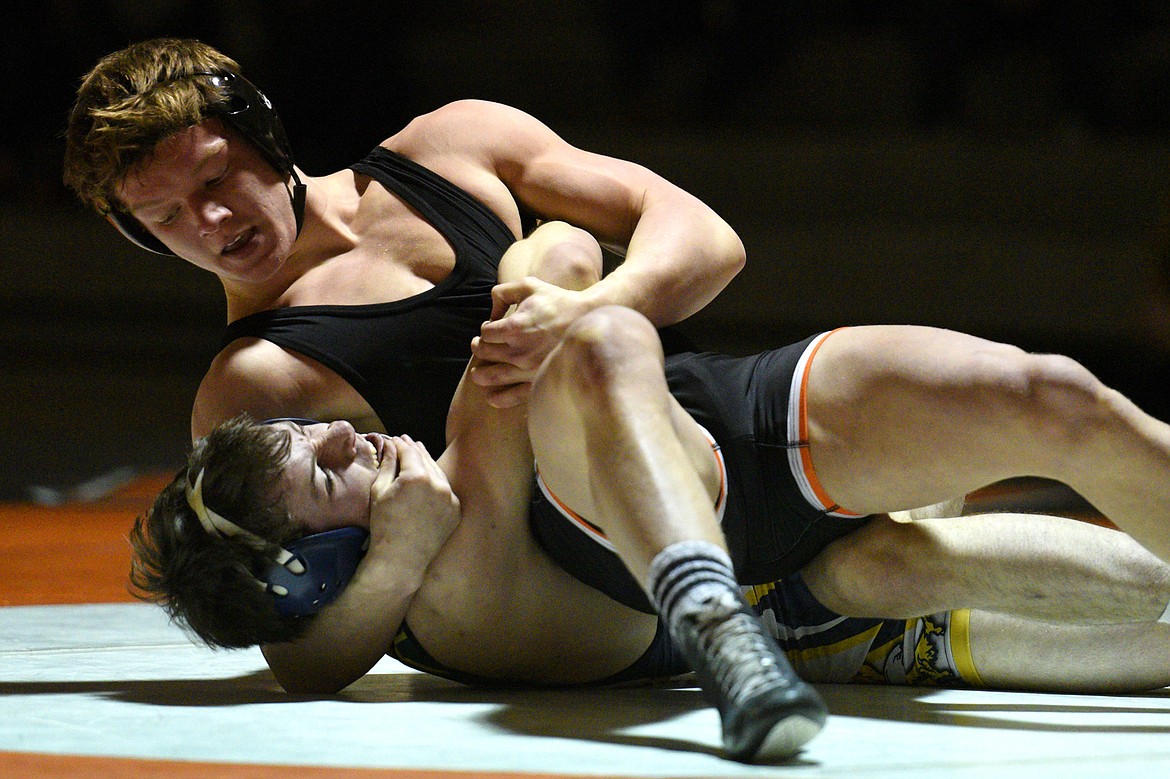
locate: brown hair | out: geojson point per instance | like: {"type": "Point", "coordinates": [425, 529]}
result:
{"type": "Point", "coordinates": [129, 102]}
{"type": "Point", "coordinates": [207, 583]}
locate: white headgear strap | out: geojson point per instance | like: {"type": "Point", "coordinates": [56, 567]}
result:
{"type": "Point", "coordinates": [218, 525]}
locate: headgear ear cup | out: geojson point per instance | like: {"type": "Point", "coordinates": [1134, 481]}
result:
{"type": "Point", "coordinates": [329, 559]}
{"type": "Point", "coordinates": [138, 235]}
{"type": "Point", "coordinates": [250, 112]}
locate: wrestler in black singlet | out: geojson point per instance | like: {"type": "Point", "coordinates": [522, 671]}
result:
{"type": "Point", "coordinates": [405, 357]}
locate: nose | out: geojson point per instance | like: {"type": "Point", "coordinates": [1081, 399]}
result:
{"type": "Point", "coordinates": [210, 215]}
{"type": "Point", "coordinates": [337, 444]}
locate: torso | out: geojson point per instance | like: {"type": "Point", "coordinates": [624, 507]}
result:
{"type": "Point", "coordinates": [378, 333]}
{"type": "Point", "coordinates": [494, 604]}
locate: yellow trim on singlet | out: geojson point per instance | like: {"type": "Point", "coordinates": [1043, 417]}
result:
{"type": "Point", "coordinates": [878, 654]}
{"type": "Point", "coordinates": [960, 629]}
{"type": "Point", "coordinates": [756, 592]}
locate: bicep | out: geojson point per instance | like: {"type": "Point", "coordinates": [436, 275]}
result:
{"type": "Point", "coordinates": [515, 163]}
{"type": "Point", "coordinates": [603, 195]}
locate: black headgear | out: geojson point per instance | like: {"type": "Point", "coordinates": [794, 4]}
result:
{"type": "Point", "coordinates": [251, 114]}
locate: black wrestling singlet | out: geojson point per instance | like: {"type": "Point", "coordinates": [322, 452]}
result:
{"type": "Point", "coordinates": [405, 357]}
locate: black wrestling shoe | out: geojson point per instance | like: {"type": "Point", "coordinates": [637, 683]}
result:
{"type": "Point", "coordinates": [768, 712]}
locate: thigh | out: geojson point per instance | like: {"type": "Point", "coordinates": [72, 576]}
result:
{"type": "Point", "coordinates": [900, 416]}
{"type": "Point", "coordinates": [572, 449]}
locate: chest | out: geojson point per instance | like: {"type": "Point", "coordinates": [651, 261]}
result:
{"type": "Point", "coordinates": [391, 253]}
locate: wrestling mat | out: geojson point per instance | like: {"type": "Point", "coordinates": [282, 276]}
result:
{"type": "Point", "coordinates": [93, 683]}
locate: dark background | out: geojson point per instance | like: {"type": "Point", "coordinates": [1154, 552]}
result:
{"type": "Point", "coordinates": [995, 166]}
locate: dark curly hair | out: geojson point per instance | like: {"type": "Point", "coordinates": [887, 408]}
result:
{"type": "Point", "coordinates": [209, 584]}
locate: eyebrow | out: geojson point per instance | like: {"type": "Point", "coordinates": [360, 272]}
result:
{"type": "Point", "coordinates": [199, 166]}
{"type": "Point", "coordinates": [312, 463]}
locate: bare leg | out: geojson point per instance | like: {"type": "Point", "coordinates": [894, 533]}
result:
{"type": "Point", "coordinates": [1031, 566]}
{"type": "Point", "coordinates": [1013, 653]}
{"type": "Point", "coordinates": [908, 416]}
{"type": "Point", "coordinates": [600, 407]}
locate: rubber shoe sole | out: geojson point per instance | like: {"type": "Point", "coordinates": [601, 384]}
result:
{"type": "Point", "coordinates": [773, 726]}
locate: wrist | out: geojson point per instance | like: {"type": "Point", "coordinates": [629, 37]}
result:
{"type": "Point", "coordinates": [616, 289]}
{"type": "Point", "coordinates": [392, 568]}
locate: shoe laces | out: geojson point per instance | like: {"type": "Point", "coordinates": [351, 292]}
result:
{"type": "Point", "coordinates": [739, 657]}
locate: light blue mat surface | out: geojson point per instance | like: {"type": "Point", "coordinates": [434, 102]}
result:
{"type": "Point", "coordinates": [119, 680]}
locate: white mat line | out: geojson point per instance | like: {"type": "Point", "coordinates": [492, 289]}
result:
{"type": "Point", "coordinates": [95, 649]}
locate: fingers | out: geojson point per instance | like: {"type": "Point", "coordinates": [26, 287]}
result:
{"type": "Point", "coordinates": [500, 373]}
{"type": "Point", "coordinates": [500, 331]}
{"type": "Point", "coordinates": [411, 458]}
{"type": "Point", "coordinates": [503, 363]}
{"type": "Point", "coordinates": [413, 509]}
{"type": "Point", "coordinates": [509, 294]}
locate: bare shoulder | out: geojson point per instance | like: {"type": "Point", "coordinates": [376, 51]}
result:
{"type": "Point", "coordinates": [479, 146]}
{"type": "Point", "coordinates": [469, 127]}
{"type": "Point", "coordinates": [256, 377]}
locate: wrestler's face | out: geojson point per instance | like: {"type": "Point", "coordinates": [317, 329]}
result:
{"type": "Point", "coordinates": [330, 472]}
{"type": "Point", "coordinates": [209, 195]}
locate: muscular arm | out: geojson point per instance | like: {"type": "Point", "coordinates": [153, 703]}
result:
{"type": "Point", "coordinates": [679, 254]}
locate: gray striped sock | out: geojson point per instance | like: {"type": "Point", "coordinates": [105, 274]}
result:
{"type": "Point", "coordinates": [688, 574]}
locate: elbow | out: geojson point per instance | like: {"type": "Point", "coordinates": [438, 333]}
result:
{"type": "Point", "coordinates": [728, 248]}
{"type": "Point", "coordinates": [298, 676]}
{"type": "Point", "coordinates": [737, 254]}
{"type": "Point", "coordinates": [725, 246]}
{"type": "Point", "coordinates": [305, 685]}
{"type": "Point", "coordinates": [737, 257]}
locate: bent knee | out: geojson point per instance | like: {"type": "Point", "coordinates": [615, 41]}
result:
{"type": "Point", "coordinates": [878, 571]}
{"type": "Point", "coordinates": [605, 343]}
{"type": "Point", "coordinates": [1060, 399]}
{"type": "Point", "coordinates": [569, 256]}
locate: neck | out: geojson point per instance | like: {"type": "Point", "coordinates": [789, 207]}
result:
{"type": "Point", "coordinates": [324, 233]}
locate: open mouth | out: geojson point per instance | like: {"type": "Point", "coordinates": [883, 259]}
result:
{"type": "Point", "coordinates": [238, 243]}
{"type": "Point", "coordinates": [379, 444]}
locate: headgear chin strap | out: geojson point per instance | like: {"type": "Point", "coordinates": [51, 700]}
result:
{"type": "Point", "coordinates": [250, 112]}
{"type": "Point", "coordinates": [306, 575]}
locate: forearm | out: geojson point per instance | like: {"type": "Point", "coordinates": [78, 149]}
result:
{"type": "Point", "coordinates": [680, 256]}
{"type": "Point", "coordinates": [346, 639]}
